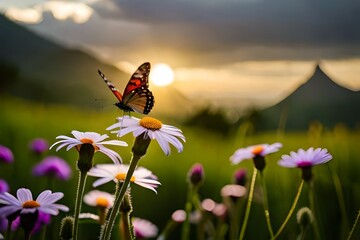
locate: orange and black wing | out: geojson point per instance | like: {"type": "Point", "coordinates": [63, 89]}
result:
{"type": "Point", "coordinates": [117, 94]}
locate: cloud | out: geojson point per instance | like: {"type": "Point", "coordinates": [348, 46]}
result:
{"type": "Point", "coordinates": [76, 11]}
{"type": "Point", "coordinates": [27, 15]}
{"type": "Point", "coordinates": [215, 31]}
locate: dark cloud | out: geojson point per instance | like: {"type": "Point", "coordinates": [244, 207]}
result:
{"type": "Point", "coordinates": [298, 29]}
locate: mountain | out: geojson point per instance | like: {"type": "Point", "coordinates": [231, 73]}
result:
{"type": "Point", "coordinates": [318, 99]}
{"type": "Point", "coordinates": [36, 68]}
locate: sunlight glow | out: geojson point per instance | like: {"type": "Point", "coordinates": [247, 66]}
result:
{"type": "Point", "coordinates": [27, 15]}
{"type": "Point", "coordinates": [161, 75]}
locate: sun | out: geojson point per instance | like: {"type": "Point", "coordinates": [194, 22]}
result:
{"type": "Point", "coordinates": [161, 74]}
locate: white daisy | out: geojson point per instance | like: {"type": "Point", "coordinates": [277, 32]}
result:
{"type": "Point", "coordinates": [100, 199]}
{"type": "Point", "coordinates": [152, 128]}
{"type": "Point", "coordinates": [90, 138]}
{"type": "Point", "coordinates": [115, 172]}
{"type": "Point", "coordinates": [24, 202]}
{"type": "Point", "coordinates": [253, 151]}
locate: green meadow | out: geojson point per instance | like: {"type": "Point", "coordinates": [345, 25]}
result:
{"type": "Point", "coordinates": [337, 184]}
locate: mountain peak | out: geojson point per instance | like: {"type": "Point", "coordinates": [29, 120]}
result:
{"type": "Point", "coordinates": [318, 88]}
{"type": "Point", "coordinates": [318, 99]}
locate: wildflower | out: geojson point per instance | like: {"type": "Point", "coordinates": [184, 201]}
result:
{"type": "Point", "coordinates": [240, 177]}
{"type": "Point", "coordinates": [305, 160]}
{"type": "Point", "coordinates": [102, 200]}
{"type": "Point", "coordinates": [4, 186]}
{"type": "Point", "coordinates": [233, 190]}
{"type": "Point", "coordinates": [144, 228]}
{"type": "Point", "coordinates": [107, 172]}
{"type": "Point", "coordinates": [196, 174]}
{"type": "Point", "coordinates": [53, 166]}
{"type": "Point", "coordinates": [6, 155]}
{"type": "Point", "coordinates": [220, 210]}
{"type": "Point", "coordinates": [208, 204]}
{"type": "Point", "coordinates": [151, 128]}
{"type": "Point", "coordinates": [24, 202]}
{"type": "Point", "coordinates": [178, 216]}
{"type": "Point", "coordinates": [39, 145]}
{"type": "Point", "coordinates": [255, 152]}
{"type": "Point", "coordinates": [92, 138]}
{"type": "Point", "coordinates": [98, 198]}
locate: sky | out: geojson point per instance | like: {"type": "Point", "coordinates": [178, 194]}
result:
{"type": "Point", "coordinates": [228, 52]}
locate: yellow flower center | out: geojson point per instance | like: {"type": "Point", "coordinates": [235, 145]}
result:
{"type": "Point", "coordinates": [257, 150]}
{"type": "Point", "coordinates": [31, 204]}
{"type": "Point", "coordinates": [102, 202]}
{"type": "Point", "coordinates": [122, 176]}
{"type": "Point", "coordinates": [150, 123]}
{"type": "Point", "coordinates": [87, 141]}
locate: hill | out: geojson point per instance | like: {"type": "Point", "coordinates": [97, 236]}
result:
{"type": "Point", "coordinates": [318, 99]}
{"type": "Point", "coordinates": [36, 68]}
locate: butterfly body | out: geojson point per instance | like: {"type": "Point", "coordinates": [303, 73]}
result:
{"type": "Point", "coordinates": [136, 97]}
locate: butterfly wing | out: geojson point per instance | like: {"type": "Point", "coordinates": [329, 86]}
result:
{"type": "Point", "coordinates": [140, 100]}
{"type": "Point", "coordinates": [139, 79]}
{"type": "Point", "coordinates": [137, 95]}
{"type": "Point", "coordinates": [117, 94]}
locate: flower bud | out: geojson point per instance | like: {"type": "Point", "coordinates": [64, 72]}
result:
{"type": "Point", "coordinates": [6, 155]}
{"type": "Point", "coordinates": [66, 227]}
{"type": "Point", "coordinates": [240, 177]}
{"type": "Point", "coordinates": [196, 174]}
{"type": "Point", "coordinates": [86, 155]}
{"type": "Point", "coordinates": [141, 144]}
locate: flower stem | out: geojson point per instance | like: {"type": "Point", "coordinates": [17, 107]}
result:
{"type": "Point", "coordinates": [125, 227]}
{"type": "Point", "coordinates": [293, 206]}
{"type": "Point", "coordinates": [79, 196]}
{"type": "Point", "coordinates": [248, 205]}
{"type": "Point", "coordinates": [119, 198]}
{"type": "Point", "coordinates": [354, 226]}
{"type": "Point", "coordinates": [312, 207]}
{"type": "Point", "coordinates": [340, 197]}
{"type": "Point", "coordinates": [188, 207]}
{"type": "Point", "coordinates": [266, 206]}
{"type": "Point", "coordinates": [303, 233]}
{"type": "Point", "coordinates": [8, 231]}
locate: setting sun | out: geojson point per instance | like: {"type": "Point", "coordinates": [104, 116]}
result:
{"type": "Point", "coordinates": [162, 74]}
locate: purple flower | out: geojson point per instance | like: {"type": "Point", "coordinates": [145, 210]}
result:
{"type": "Point", "coordinates": [24, 203]}
{"type": "Point", "coordinates": [6, 154]}
{"type": "Point", "coordinates": [39, 145]}
{"type": "Point", "coordinates": [4, 186]}
{"type": "Point", "coordinates": [305, 160]}
{"type": "Point", "coordinates": [144, 228]}
{"type": "Point", "coordinates": [53, 166]}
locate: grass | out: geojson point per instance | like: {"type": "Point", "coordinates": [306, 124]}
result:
{"type": "Point", "coordinates": [21, 121]}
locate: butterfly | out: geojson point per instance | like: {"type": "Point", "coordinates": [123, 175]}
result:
{"type": "Point", "coordinates": [136, 97]}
